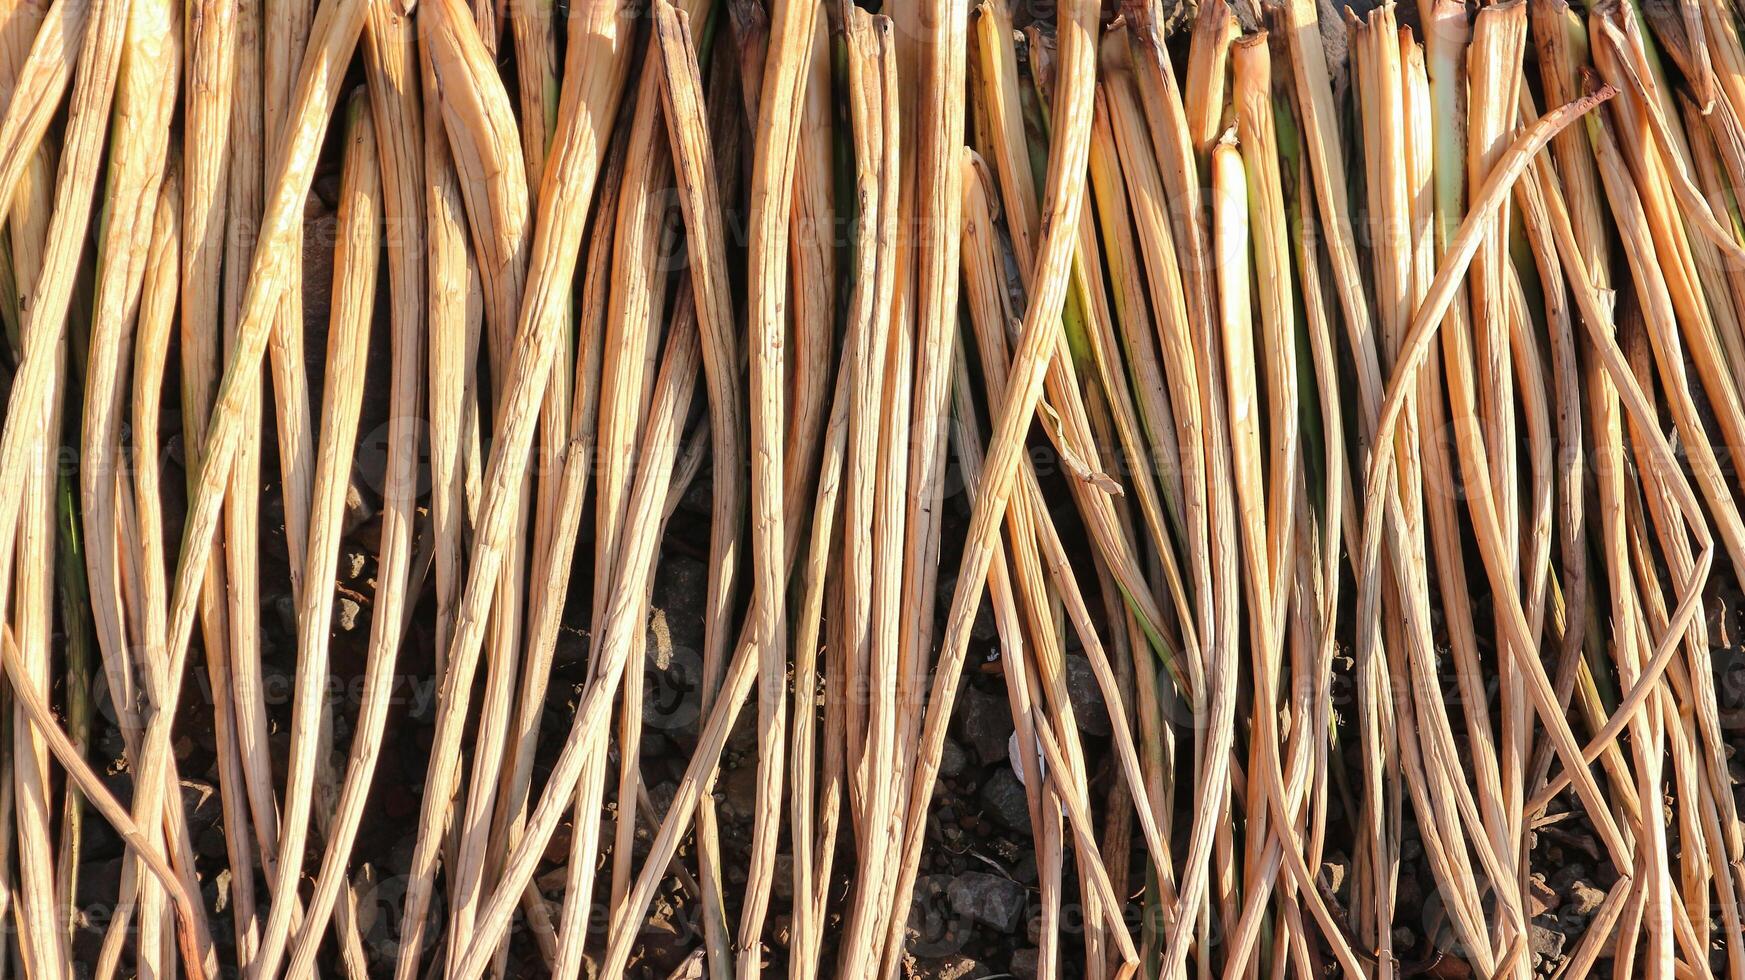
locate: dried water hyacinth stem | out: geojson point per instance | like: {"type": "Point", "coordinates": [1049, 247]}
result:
{"type": "Point", "coordinates": [871, 727]}
{"type": "Point", "coordinates": [32, 425]}
{"type": "Point", "coordinates": [1145, 421]}
{"type": "Point", "coordinates": [938, 124]}
{"type": "Point", "coordinates": [39, 935]}
{"type": "Point", "coordinates": [1258, 142]}
{"type": "Point", "coordinates": [812, 247]}
{"type": "Point", "coordinates": [1036, 544]}
{"type": "Point", "coordinates": [197, 956]}
{"type": "Point", "coordinates": [535, 37]}
{"type": "Point", "coordinates": [1210, 845]}
{"type": "Point", "coordinates": [505, 224]}
{"type": "Point", "coordinates": [555, 561]}
{"type": "Point", "coordinates": [1064, 197]}
{"type": "Point", "coordinates": [875, 185]}
{"type": "Point", "coordinates": [633, 331]}
{"type": "Point", "coordinates": [701, 200]}
{"type": "Point", "coordinates": [1424, 324]}
{"type": "Point", "coordinates": [479, 125]}
{"type": "Point", "coordinates": [770, 200]}
{"type": "Point", "coordinates": [593, 77]}
{"type": "Point", "coordinates": [454, 349]}
{"type": "Point", "coordinates": [1092, 315]}
{"type": "Point", "coordinates": [467, 840]}
{"type": "Point", "coordinates": [1207, 80]}
{"type": "Point", "coordinates": [157, 309]}
{"type": "Point", "coordinates": [1086, 321]}
{"type": "Point", "coordinates": [138, 158]}
{"type": "Point", "coordinates": [144, 103]}
{"type": "Point", "coordinates": [210, 43]}
{"type": "Point", "coordinates": [1163, 277]}
{"type": "Point", "coordinates": [334, 35]}
{"type": "Point", "coordinates": [1597, 316]}
{"type": "Point", "coordinates": [657, 453]}
{"type": "Point", "coordinates": [37, 89]}
{"type": "Point", "coordinates": [395, 115]}
{"type": "Point", "coordinates": [1493, 65]}
{"type": "Point", "coordinates": [225, 429]}
{"type": "Point", "coordinates": [738, 680]}
{"type": "Point", "coordinates": [1376, 72]}
{"type": "Point", "coordinates": [357, 241]}
{"type": "Point", "coordinates": [240, 535]}
{"type": "Point", "coordinates": [45, 320]}
{"type": "Point", "coordinates": [265, 67]}
{"type": "Point", "coordinates": [1446, 36]}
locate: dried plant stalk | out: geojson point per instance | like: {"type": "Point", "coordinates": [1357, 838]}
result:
{"type": "Point", "coordinates": [394, 111]}
{"type": "Point", "coordinates": [38, 87]}
{"type": "Point", "coordinates": [938, 193]}
{"type": "Point", "coordinates": [633, 330]}
{"type": "Point", "coordinates": [46, 319]}
{"type": "Point", "coordinates": [356, 244]}
{"type": "Point", "coordinates": [1424, 323]}
{"type": "Point", "coordinates": [1064, 198]}
{"type": "Point", "coordinates": [477, 118]}
{"type": "Point", "coordinates": [593, 78]}
{"type": "Point", "coordinates": [317, 87]}
{"type": "Point", "coordinates": [210, 43]}
{"type": "Point", "coordinates": [689, 138]}
{"type": "Point", "coordinates": [770, 201]}
{"type": "Point", "coordinates": [240, 536]}
{"type": "Point", "coordinates": [32, 424]}
{"type": "Point", "coordinates": [138, 156]}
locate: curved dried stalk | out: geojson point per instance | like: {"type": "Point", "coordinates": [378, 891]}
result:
{"type": "Point", "coordinates": [357, 242]}
{"type": "Point", "coordinates": [334, 35]}
{"type": "Point", "coordinates": [1036, 545]}
{"type": "Point", "coordinates": [554, 562]}
{"type": "Point", "coordinates": [32, 424]}
{"type": "Point", "coordinates": [1064, 198]}
{"type": "Point", "coordinates": [1163, 277]}
{"type": "Point", "coordinates": [454, 350]}
{"type": "Point", "coordinates": [658, 451]}
{"type": "Point", "coordinates": [876, 194]}
{"type": "Point", "coordinates": [1424, 324]}
{"type": "Point", "coordinates": [1086, 319]}
{"type": "Point", "coordinates": [479, 122]}
{"type": "Point", "coordinates": [36, 90]}
{"type": "Point", "coordinates": [197, 959]}
{"type": "Point", "coordinates": [40, 934]}
{"type": "Point", "coordinates": [593, 77]}
{"type": "Point", "coordinates": [240, 535]}
{"type": "Point", "coordinates": [1208, 74]}
{"type": "Point", "coordinates": [738, 680]}
{"type": "Point", "coordinates": [491, 164]}
{"type": "Point", "coordinates": [938, 130]}
{"type": "Point", "coordinates": [393, 101]}
{"type": "Point", "coordinates": [812, 245]}
{"type": "Point", "coordinates": [157, 309]}
{"type": "Point", "coordinates": [693, 156]}
{"type": "Point", "coordinates": [46, 318]}
{"type": "Point", "coordinates": [210, 44]}
{"type": "Point", "coordinates": [337, 29]}
{"type": "Point", "coordinates": [770, 201]}
{"type": "Point", "coordinates": [144, 103]}
{"type": "Point", "coordinates": [1230, 196]}
{"type": "Point", "coordinates": [872, 726]}
{"type": "Point", "coordinates": [468, 840]}
{"type": "Point", "coordinates": [634, 325]}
